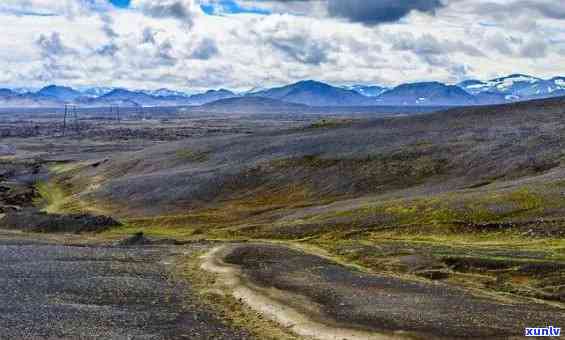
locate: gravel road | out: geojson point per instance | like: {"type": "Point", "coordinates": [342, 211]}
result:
{"type": "Point", "coordinates": [64, 292]}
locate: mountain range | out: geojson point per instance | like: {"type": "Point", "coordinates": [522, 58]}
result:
{"type": "Point", "coordinates": [516, 87]}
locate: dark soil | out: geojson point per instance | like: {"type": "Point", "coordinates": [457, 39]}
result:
{"type": "Point", "coordinates": [37, 221]}
{"type": "Point", "coordinates": [384, 303]}
{"type": "Point", "coordinates": [135, 240]}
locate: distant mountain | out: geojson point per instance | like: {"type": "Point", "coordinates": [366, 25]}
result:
{"type": "Point", "coordinates": [211, 96]}
{"type": "Point", "coordinates": [165, 93]}
{"type": "Point", "coordinates": [4, 93]}
{"type": "Point", "coordinates": [515, 87]}
{"type": "Point", "coordinates": [23, 90]}
{"type": "Point", "coordinates": [254, 90]}
{"type": "Point", "coordinates": [473, 86]}
{"type": "Point", "coordinates": [426, 94]}
{"type": "Point", "coordinates": [367, 90]}
{"type": "Point", "coordinates": [123, 97]}
{"type": "Point", "coordinates": [251, 105]}
{"type": "Point", "coordinates": [314, 93]}
{"type": "Point", "coordinates": [61, 93]}
{"type": "Point", "coordinates": [97, 91]}
{"type": "Point", "coordinates": [11, 99]}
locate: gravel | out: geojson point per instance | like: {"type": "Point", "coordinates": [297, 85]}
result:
{"type": "Point", "coordinates": [387, 303]}
{"type": "Point", "coordinates": [63, 292]}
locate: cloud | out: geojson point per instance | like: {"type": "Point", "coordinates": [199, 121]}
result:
{"type": "Point", "coordinates": [368, 12]}
{"type": "Point", "coordinates": [534, 49]}
{"type": "Point", "coordinates": [183, 10]}
{"type": "Point", "coordinates": [427, 45]}
{"type": "Point", "coordinates": [52, 46]}
{"type": "Point", "coordinates": [302, 49]}
{"type": "Point", "coordinates": [205, 50]}
{"type": "Point", "coordinates": [68, 8]}
{"type": "Point", "coordinates": [147, 45]}
{"type": "Point", "coordinates": [379, 11]}
{"type": "Point", "coordinates": [546, 8]}
{"type": "Point", "coordinates": [108, 50]}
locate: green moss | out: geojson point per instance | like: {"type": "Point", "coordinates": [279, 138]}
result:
{"type": "Point", "coordinates": [61, 168]}
{"type": "Point", "coordinates": [54, 199]}
{"type": "Point", "coordinates": [192, 155]}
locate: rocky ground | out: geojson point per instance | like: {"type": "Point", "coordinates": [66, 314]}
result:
{"type": "Point", "coordinates": [52, 291]}
{"type": "Point", "coordinates": [384, 303]}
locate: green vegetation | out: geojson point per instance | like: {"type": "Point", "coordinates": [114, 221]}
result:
{"type": "Point", "coordinates": [54, 199]}
{"type": "Point", "coordinates": [330, 123]}
{"type": "Point", "coordinates": [192, 156]}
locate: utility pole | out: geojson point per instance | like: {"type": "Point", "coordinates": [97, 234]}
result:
{"type": "Point", "coordinates": [77, 125]}
{"type": "Point", "coordinates": [65, 120]}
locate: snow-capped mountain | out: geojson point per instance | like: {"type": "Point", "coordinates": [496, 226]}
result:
{"type": "Point", "coordinates": [426, 94]}
{"type": "Point", "coordinates": [515, 87]}
{"type": "Point", "coordinates": [24, 90]}
{"type": "Point", "coordinates": [367, 90]}
{"type": "Point", "coordinates": [165, 93]}
{"type": "Point", "coordinates": [12, 99]}
{"type": "Point", "coordinates": [97, 91]}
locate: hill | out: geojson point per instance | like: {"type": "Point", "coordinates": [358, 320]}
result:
{"type": "Point", "coordinates": [210, 96]}
{"type": "Point", "coordinates": [61, 93]}
{"type": "Point", "coordinates": [430, 93]}
{"type": "Point", "coordinates": [313, 93]}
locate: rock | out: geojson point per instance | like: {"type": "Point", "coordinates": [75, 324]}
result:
{"type": "Point", "coordinates": [33, 220]}
{"type": "Point", "coordinates": [135, 240]}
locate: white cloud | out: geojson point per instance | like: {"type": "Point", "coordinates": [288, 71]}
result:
{"type": "Point", "coordinates": [172, 43]}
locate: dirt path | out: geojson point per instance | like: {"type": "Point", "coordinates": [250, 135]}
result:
{"type": "Point", "coordinates": [322, 299]}
{"type": "Point", "coordinates": [52, 291]}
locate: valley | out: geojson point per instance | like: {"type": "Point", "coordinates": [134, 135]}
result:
{"type": "Point", "coordinates": [367, 227]}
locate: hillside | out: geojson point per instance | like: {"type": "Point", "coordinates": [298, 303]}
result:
{"type": "Point", "coordinates": [313, 93]}
{"type": "Point", "coordinates": [424, 94]}
{"type": "Point", "coordinates": [454, 149]}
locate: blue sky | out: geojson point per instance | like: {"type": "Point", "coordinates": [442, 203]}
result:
{"type": "Point", "coordinates": [240, 44]}
{"type": "Point", "coordinates": [226, 6]}
{"type": "Point", "coordinates": [231, 7]}
{"type": "Point", "coordinates": [120, 3]}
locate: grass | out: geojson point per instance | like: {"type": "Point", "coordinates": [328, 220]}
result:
{"type": "Point", "coordinates": [54, 198]}
{"type": "Point", "coordinates": [62, 168]}
{"type": "Point", "coordinates": [192, 155]}
{"type": "Point", "coordinates": [330, 123]}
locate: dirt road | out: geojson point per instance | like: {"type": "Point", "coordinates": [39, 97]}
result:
{"type": "Point", "coordinates": [313, 295]}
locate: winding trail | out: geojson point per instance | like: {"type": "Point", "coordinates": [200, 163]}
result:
{"type": "Point", "coordinates": [317, 298]}
{"type": "Point", "coordinates": [275, 304]}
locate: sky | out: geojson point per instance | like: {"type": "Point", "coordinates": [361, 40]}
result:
{"type": "Point", "coordinates": [193, 45]}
